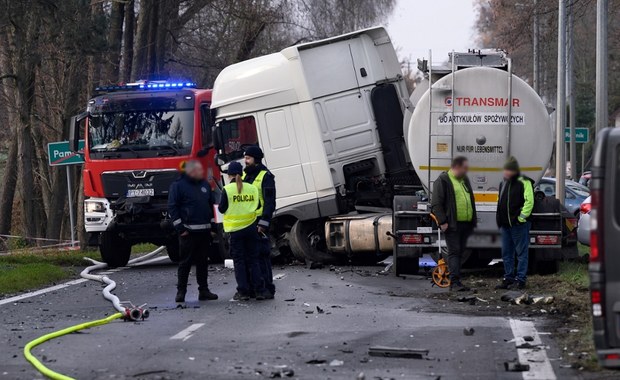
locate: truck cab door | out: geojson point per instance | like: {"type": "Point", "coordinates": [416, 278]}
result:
{"type": "Point", "coordinates": [605, 240]}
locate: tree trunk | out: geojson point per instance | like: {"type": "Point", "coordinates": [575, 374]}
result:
{"type": "Point", "coordinates": [128, 36]}
{"type": "Point", "coordinates": [139, 69]}
{"type": "Point", "coordinates": [7, 194]}
{"type": "Point", "coordinates": [115, 39]}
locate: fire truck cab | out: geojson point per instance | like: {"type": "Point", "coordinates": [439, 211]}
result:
{"type": "Point", "coordinates": [137, 137]}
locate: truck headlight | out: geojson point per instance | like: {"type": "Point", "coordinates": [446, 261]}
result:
{"type": "Point", "coordinates": [94, 206]}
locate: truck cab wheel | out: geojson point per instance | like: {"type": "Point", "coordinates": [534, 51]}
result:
{"type": "Point", "coordinates": [115, 251]}
{"type": "Point", "coordinates": [307, 242]}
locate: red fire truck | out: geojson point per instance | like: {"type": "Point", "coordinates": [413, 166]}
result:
{"type": "Point", "coordinates": [136, 138]}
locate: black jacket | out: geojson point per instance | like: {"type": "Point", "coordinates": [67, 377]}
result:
{"type": "Point", "coordinates": [190, 204]}
{"type": "Point", "coordinates": [516, 198]}
{"type": "Point", "coordinates": [443, 201]}
{"type": "Point", "coordinates": [268, 190]}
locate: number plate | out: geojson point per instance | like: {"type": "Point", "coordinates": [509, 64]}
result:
{"type": "Point", "coordinates": [132, 193]}
{"type": "Point", "coordinates": [425, 230]}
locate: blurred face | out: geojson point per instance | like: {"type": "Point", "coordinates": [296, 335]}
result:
{"type": "Point", "coordinates": [508, 174]}
{"type": "Point", "coordinates": [194, 170]}
{"type": "Point", "coordinates": [249, 161]}
{"type": "Point", "coordinates": [460, 171]}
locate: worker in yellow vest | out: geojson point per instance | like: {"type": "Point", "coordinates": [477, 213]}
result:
{"type": "Point", "coordinates": [238, 203]}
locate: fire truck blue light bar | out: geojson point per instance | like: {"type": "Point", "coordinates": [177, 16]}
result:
{"type": "Point", "coordinates": [145, 85]}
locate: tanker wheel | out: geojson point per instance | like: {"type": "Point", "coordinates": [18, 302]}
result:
{"type": "Point", "coordinates": [307, 242]}
{"type": "Point", "coordinates": [115, 251]}
{"type": "Point", "coordinates": [444, 254]}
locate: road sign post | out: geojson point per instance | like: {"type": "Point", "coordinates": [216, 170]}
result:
{"type": "Point", "coordinates": [59, 154]}
{"type": "Point", "coordinates": [582, 135]}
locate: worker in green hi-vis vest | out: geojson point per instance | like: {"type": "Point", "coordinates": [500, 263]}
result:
{"type": "Point", "coordinates": [239, 203]}
{"type": "Point", "coordinates": [454, 207]}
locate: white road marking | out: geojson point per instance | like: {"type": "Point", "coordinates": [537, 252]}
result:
{"type": "Point", "coordinates": [540, 366]}
{"type": "Point", "coordinates": [42, 291]}
{"type": "Point", "coordinates": [187, 333]}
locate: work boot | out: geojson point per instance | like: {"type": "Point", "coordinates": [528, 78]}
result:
{"type": "Point", "coordinates": [180, 296]}
{"type": "Point", "coordinates": [241, 297]}
{"type": "Point", "coordinates": [506, 284]}
{"type": "Point", "coordinates": [519, 285]}
{"type": "Point", "coordinates": [264, 295]}
{"type": "Point", "coordinates": [459, 287]}
{"type": "Point", "coordinates": [206, 295]}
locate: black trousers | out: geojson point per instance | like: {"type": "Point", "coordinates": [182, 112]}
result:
{"type": "Point", "coordinates": [456, 240]}
{"type": "Point", "coordinates": [244, 249]}
{"type": "Point", "coordinates": [264, 261]}
{"type": "Point", "coordinates": [194, 249]}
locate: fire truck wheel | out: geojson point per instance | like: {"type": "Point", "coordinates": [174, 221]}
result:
{"type": "Point", "coordinates": [306, 241]}
{"type": "Point", "coordinates": [173, 251]}
{"type": "Point", "coordinates": [115, 251]}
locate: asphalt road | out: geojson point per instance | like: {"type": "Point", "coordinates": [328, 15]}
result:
{"type": "Point", "coordinates": [253, 340]}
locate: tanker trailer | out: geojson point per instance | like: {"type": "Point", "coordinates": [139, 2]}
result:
{"type": "Point", "coordinates": [475, 107]}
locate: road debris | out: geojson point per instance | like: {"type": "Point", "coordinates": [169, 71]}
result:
{"type": "Point", "coordinates": [279, 276]}
{"type": "Point", "coordinates": [316, 361]}
{"type": "Point", "coordinates": [397, 352]}
{"type": "Point", "coordinates": [319, 310]}
{"type": "Point", "coordinates": [281, 373]}
{"type": "Point", "coordinates": [336, 363]}
{"type": "Point", "coordinates": [516, 366]}
{"type": "Point", "coordinates": [518, 298]}
{"type": "Point", "coordinates": [468, 331]}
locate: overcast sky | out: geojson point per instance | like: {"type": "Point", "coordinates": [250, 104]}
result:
{"type": "Point", "coordinates": [441, 25]}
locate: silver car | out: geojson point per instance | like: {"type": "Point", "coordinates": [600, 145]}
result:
{"type": "Point", "coordinates": [583, 228]}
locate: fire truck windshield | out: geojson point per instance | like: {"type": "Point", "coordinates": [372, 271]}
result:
{"type": "Point", "coordinates": [140, 133]}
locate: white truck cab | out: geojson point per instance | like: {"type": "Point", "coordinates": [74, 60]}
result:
{"type": "Point", "coordinates": [328, 116]}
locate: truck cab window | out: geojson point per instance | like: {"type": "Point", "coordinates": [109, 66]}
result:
{"type": "Point", "coordinates": [237, 134]}
{"type": "Point", "coordinates": [205, 126]}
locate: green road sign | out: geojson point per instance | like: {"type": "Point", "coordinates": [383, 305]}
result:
{"type": "Point", "coordinates": [60, 154]}
{"type": "Point", "coordinates": [582, 135]}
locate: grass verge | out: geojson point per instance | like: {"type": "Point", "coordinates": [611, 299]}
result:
{"type": "Point", "coordinates": [19, 277]}
{"type": "Point", "coordinates": [24, 271]}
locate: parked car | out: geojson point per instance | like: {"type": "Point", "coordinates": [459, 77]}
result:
{"type": "Point", "coordinates": [575, 193]}
{"type": "Point", "coordinates": [585, 178]}
{"type": "Point", "coordinates": [583, 228]}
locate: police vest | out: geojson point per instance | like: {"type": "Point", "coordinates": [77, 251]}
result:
{"type": "Point", "coordinates": [258, 183]}
{"type": "Point", "coordinates": [241, 212]}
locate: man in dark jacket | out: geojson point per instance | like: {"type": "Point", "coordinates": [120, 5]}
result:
{"type": "Point", "coordinates": [514, 207]}
{"type": "Point", "coordinates": [190, 207]}
{"type": "Point", "coordinates": [257, 174]}
{"type": "Point", "coordinates": [454, 207]}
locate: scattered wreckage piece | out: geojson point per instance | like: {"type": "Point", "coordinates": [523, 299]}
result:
{"type": "Point", "coordinates": [397, 352]}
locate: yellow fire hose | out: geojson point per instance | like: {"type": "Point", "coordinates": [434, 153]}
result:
{"type": "Point", "coordinates": [33, 343]}
{"type": "Point", "coordinates": [129, 313]}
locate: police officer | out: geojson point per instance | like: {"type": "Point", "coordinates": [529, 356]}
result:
{"type": "Point", "coordinates": [257, 174]}
{"type": "Point", "coordinates": [239, 203]}
{"type": "Point", "coordinates": [190, 206]}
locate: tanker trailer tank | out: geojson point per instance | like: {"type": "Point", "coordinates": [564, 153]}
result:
{"type": "Point", "coordinates": [478, 109]}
